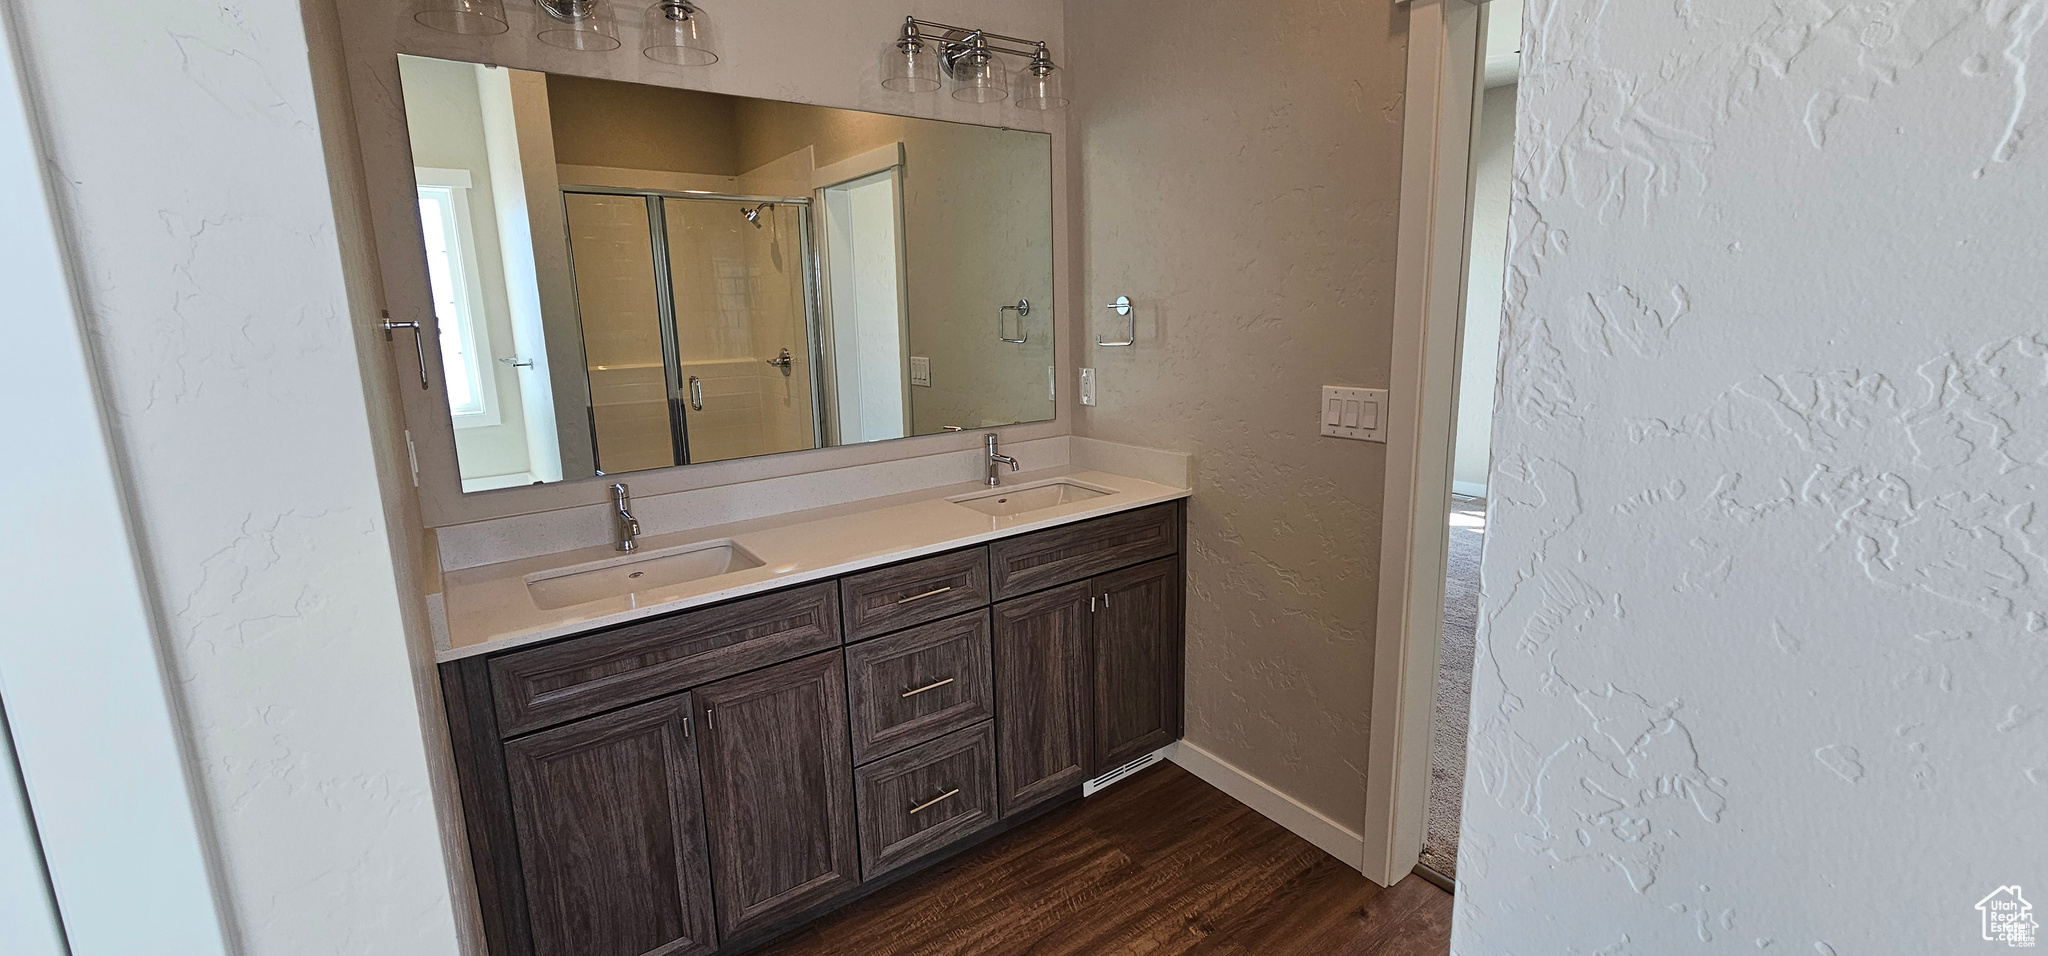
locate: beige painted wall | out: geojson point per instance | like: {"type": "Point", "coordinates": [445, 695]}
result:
{"type": "Point", "coordinates": [1240, 184]}
{"type": "Point", "coordinates": [638, 126]}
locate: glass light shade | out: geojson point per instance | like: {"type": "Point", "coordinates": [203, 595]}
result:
{"type": "Point", "coordinates": [1036, 92]}
{"type": "Point", "coordinates": [980, 78]}
{"type": "Point", "coordinates": [912, 70]}
{"type": "Point", "coordinates": [675, 32]}
{"type": "Point", "coordinates": [578, 25]}
{"type": "Point", "coordinates": [466, 17]}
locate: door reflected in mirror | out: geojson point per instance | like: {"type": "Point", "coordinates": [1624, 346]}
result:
{"type": "Point", "coordinates": [626, 277]}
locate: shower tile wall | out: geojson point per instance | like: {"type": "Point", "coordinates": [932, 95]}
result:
{"type": "Point", "coordinates": [615, 298]}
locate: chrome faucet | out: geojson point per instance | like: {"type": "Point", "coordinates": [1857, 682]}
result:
{"type": "Point", "coordinates": [625, 526]}
{"type": "Point", "coordinates": [995, 458]}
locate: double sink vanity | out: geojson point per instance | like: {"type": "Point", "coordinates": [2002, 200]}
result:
{"type": "Point", "coordinates": [693, 741]}
{"type": "Point", "coordinates": [699, 746]}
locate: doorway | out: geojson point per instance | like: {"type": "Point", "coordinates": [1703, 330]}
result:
{"type": "Point", "coordinates": [863, 252]}
{"type": "Point", "coordinates": [1492, 170]}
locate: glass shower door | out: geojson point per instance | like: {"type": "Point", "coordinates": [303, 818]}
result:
{"type": "Point", "coordinates": [611, 241]}
{"type": "Point", "coordinates": [742, 325]}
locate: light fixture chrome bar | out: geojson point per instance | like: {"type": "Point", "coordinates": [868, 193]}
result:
{"type": "Point", "coordinates": [567, 10]}
{"type": "Point", "coordinates": [970, 30]}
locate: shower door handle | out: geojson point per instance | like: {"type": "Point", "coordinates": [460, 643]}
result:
{"type": "Point", "coordinates": [696, 393]}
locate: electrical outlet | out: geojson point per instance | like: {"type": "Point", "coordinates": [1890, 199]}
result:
{"type": "Point", "coordinates": [1356, 413]}
{"type": "Point", "coordinates": [1087, 386]}
{"type": "Point", "coordinates": [921, 371]}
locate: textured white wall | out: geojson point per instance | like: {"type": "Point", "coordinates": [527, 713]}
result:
{"type": "Point", "coordinates": [190, 172]}
{"type": "Point", "coordinates": [1764, 661]}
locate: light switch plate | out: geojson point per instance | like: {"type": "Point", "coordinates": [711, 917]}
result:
{"type": "Point", "coordinates": [1355, 413]}
{"type": "Point", "coordinates": [1087, 386]}
{"type": "Point", "coordinates": [921, 371]}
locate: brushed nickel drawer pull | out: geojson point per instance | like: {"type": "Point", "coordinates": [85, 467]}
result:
{"type": "Point", "coordinates": [914, 693]}
{"type": "Point", "coordinates": [920, 597]}
{"type": "Point", "coordinates": [935, 801]}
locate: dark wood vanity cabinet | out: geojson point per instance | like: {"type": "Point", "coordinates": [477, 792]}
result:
{"type": "Point", "coordinates": [1137, 627]}
{"type": "Point", "coordinates": [1043, 702]}
{"type": "Point", "coordinates": [610, 823]}
{"type": "Point", "coordinates": [778, 781]}
{"type": "Point", "coordinates": [698, 782]}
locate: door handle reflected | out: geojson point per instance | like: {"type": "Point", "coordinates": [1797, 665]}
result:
{"type": "Point", "coordinates": [417, 345]}
{"type": "Point", "coordinates": [696, 393]}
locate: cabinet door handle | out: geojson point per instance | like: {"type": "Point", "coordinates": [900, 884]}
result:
{"type": "Point", "coordinates": [920, 597]}
{"type": "Point", "coordinates": [696, 394]}
{"type": "Point", "coordinates": [1091, 603]}
{"type": "Point", "coordinates": [935, 686]}
{"type": "Point", "coordinates": [935, 801]}
{"type": "Point", "coordinates": [686, 728]}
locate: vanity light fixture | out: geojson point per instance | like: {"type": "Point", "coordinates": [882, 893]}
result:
{"type": "Point", "coordinates": [578, 25]}
{"type": "Point", "coordinates": [673, 31]}
{"type": "Point", "coordinates": [466, 17]}
{"type": "Point", "coordinates": [918, 61]}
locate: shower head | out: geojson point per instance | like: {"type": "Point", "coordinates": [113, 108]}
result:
{"type": "Point", "coordinates": [754, 215]}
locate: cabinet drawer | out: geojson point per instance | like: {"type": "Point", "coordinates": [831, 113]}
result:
{"type": "Point", "coordinates": [586, 675]}
{"type": "Point", "coordinates": [914, 592]}
{"type": "Point", "coordinates": [1051, 558]}
{"type": "Point", "coordinates": [923, 800]}
{"type": "Point", "coordinates": [923, 683]}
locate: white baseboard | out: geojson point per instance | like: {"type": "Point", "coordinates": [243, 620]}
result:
{"type": "Point", "coordinates": [1329, 835]}
{"type": "Point", "coordinates": [1470, 489]}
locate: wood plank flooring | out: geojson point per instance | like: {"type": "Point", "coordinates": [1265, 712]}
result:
{"type": "Point", "coordinates": [1162, 864]}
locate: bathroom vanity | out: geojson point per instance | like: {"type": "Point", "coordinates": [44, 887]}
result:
{"type": "Point", "coordinates": [704, 778]}
{"type": "Point", "coordinates": [742, 724]}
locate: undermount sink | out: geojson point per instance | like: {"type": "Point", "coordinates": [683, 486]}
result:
{"type": "Point", "coordinates": [1008, 502]}
{"type": "Point", "coordinates": [623, 576]}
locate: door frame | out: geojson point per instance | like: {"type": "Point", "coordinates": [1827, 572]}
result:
{"type": "Point", "coordinates": [882, 159]}
{"type": "Point", "coordinates": [1444, 81]}
{"type": "Point", "coordinates": [111, 796]}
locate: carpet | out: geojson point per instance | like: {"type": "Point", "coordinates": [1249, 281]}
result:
{"type": "Point", "coordinates": [1454, 686]}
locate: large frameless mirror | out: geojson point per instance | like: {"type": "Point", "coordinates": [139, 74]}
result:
{"type": "Point", "coordinates": [627, 277]}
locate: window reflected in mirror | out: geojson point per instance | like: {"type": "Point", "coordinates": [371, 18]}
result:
{"type": "Point", "coordinates": [626, 277]}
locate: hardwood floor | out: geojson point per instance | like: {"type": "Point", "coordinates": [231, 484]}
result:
{"type": "Point", "coordinates": [1161, 864]}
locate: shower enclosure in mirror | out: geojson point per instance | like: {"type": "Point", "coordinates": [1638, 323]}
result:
{"type": "Point", "coordinates": [625, 277]}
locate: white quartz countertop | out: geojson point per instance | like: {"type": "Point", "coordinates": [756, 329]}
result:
{"type": "Point", "coordinates": [489, 608]}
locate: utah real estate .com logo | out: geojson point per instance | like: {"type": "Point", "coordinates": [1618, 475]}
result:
{"type": "Point", "coordinates": [2008, 918]}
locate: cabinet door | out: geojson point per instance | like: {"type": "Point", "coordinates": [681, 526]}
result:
{"type": "Point", "coordinates": [1137, 662]}
{"type": "Point", "coordinates": [778, 783]}
{"type": "Point", "coordinates": [1043, 703]}
{"type": "Point", "coordinates": [611, 835]}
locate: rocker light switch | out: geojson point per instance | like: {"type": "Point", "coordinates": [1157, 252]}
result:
{"type": "Point", "coordinates": [920, 371]}
{"type": "Point", "coordinates": [1356, 413]}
